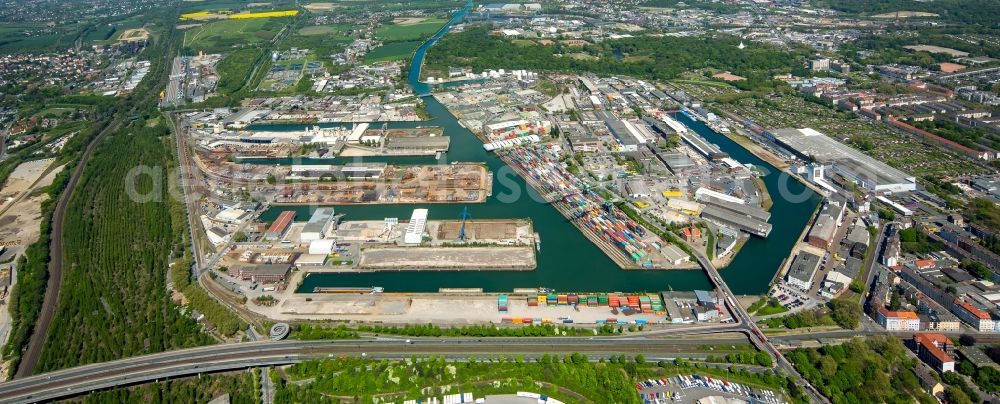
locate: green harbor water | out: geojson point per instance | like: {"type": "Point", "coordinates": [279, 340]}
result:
{"type": "Point", "coordinates": [567, 261]}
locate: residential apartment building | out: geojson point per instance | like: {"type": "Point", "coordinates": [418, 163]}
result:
{"type": "Point", "coordinates": [978, 319]}
{"type": "Point", "coordinates": [898, 320]}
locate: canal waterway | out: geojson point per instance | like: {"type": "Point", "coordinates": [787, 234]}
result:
{"type": "Point", "coordinates": [567, 260]}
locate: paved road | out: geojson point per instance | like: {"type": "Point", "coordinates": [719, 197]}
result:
{"type": "Point", "coordinates": [195, 361]}
{"type": "Point", "coordinates": [745, 324]}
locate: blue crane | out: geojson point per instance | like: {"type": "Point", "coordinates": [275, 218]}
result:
{"type": "Point", "coordinates": [464, 216]}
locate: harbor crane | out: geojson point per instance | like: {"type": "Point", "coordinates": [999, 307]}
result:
{"type": "Point", "coordinates": [464, 216]}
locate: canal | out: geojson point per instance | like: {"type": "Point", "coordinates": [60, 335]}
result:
{"type": "Point", "coordinates": [567, 261]}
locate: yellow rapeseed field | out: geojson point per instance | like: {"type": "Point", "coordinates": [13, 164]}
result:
{"type": "Point", "coordinates": [201, 15]}
{"type": "Point", "coordinates": [265, 14]}
{"type": "Point", "coordinates": [197, 14]}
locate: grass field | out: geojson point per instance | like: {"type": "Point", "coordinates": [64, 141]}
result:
{"type": "Point", "coordinates": [322, 40]}
{"type": "Point", "coordinates": [222, 35]}
{"type": "Point", "coordinates": [392, 51]}
{"type": "Point", "coordinates": [582, 56]}
{"type": "Point", "coordinates": [317, 30]}
{"type": "Point", "coordinates": [397, 32]}
{"type": "Point", "coordinates": [235, 69]}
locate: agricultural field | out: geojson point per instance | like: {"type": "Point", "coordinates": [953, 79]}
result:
{"type": "Point", "coordinates": [16, 37]}
{"type": "Point", "coordinates": [392, 51]}
{"type": "Point", "coordinates": [220, 36]}
{"type": "Point", "coordinates": [409, 30]}
{"type": "Point", "coordinates": [110, 33]}
{"type": "Point", "coordinates": [582, 56]}
{"type": "Point", "coordinates": [873, 138]}
{"type": "Point", "coordinates": [264, 14]}
{"type": "Point", "coordinates": [211, 5]}
{"type": "Point", "coordinates": [320, 7]}
{"type": "Point", "coordinates": [315, 30]}
{"type": "Point", "coordinates": [428, 6]}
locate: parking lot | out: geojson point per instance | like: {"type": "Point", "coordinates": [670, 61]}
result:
{"type": "Point", "coordinates": [689, 389]}
{"type": "Point", "coordinates": [790, 297]}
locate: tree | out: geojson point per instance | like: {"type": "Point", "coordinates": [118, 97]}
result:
{"type": "Point", "coordinates": [240, 237]}
{"type": "Point", "coordinates": [966, 340]}
{"type": "Point", "coordinates": [957, 396]}
{"type": "Point", "coordinates": [886, 214]}
{"type": "Point", "coordinates": [827, 366]}
{"type": "Point", "coordinates": [895, 301]}
{"type": "Point", "coordinates": [764, 359]}
{"type": "Point", "coordinates": [846, 313]}
{"type": "Point", "coordinates": [857, 287]}
{"type": "Point", "coordinates": [966, 368]}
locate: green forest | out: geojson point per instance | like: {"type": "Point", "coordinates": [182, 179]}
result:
{"type": "Point", "coordinates": [652, 58]}
{"type": "Point", "coordinates": [116, 250]}
{"type": "Point", "coordinates": [242, 388]}
{"type": "Point", "coordinates": [872, 370]}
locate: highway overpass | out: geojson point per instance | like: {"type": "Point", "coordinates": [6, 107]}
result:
{"type": "Point", "coordinates": [218, 358]}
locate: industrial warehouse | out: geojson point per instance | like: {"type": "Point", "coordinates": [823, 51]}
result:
{"type": "Point", "coordinates": [324, 243]}
{"type": "Point", "coordinates": [809, 145]}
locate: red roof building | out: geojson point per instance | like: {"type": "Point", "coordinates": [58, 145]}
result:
{"type": "Point", "coordinates": [933, 349]}
{"type": "Point", "coordinates": [979, 319]}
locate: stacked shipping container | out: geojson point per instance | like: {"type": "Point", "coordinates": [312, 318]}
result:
{"type": "Point", "coordinates": [589, 209]}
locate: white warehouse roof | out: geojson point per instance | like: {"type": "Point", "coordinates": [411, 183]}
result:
{"type": "Point", "coordinates": [415, 229]}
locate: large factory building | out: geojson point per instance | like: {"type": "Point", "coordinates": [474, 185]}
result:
{"type": "Point", "coordinates": [808, 144]}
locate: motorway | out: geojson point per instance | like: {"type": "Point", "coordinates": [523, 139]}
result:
{"type": "Point", "coordinates": [218, 358]}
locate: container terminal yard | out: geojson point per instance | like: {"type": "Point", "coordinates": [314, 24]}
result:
{"type": "Point", "coordinates": [523, 306]}
{"type": "Point", "coordinates": [624, 240]}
